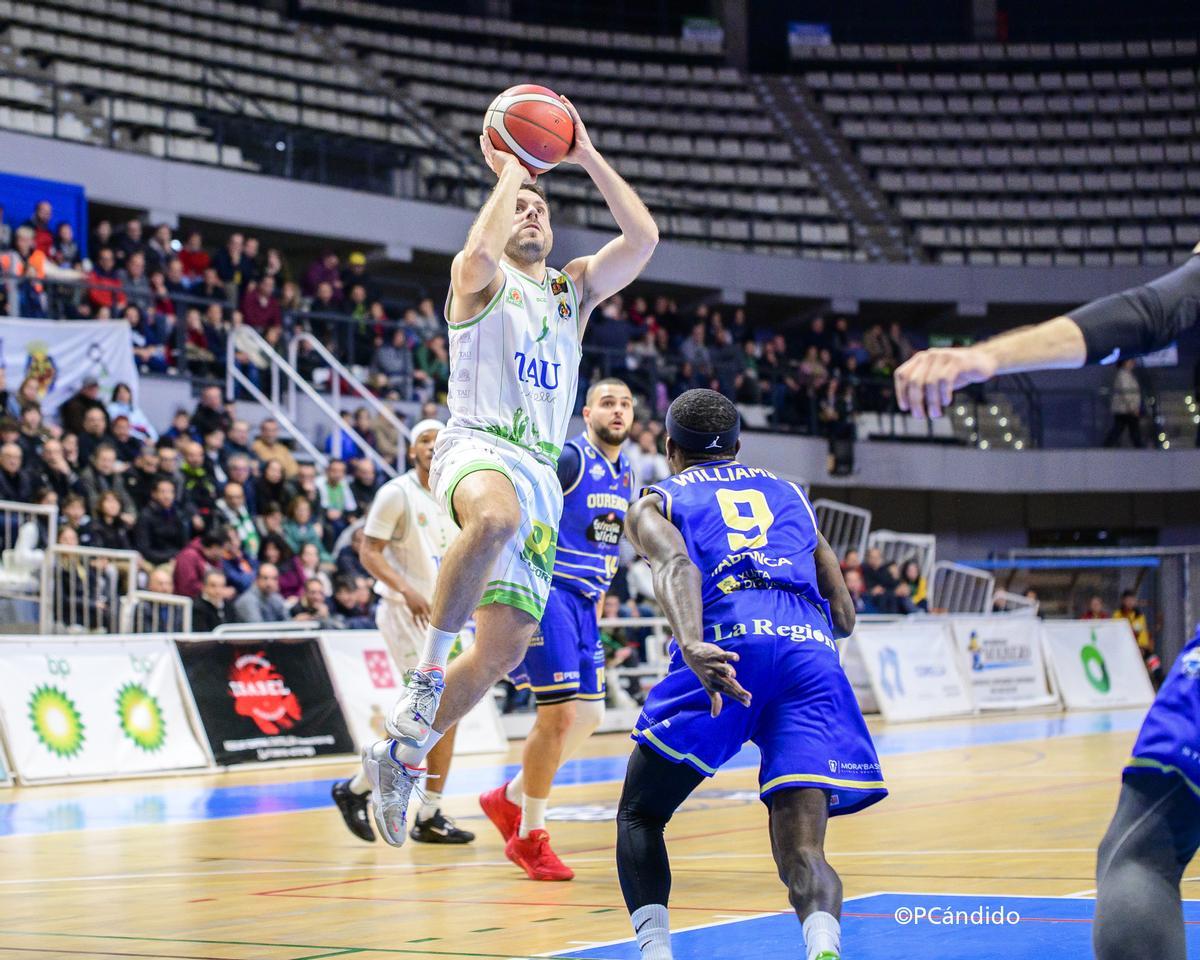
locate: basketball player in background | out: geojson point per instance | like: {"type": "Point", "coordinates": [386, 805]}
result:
{"type": "Point", "coordinates": [406, 534]}
{"type": "Point", "coordinates": [515, 331]}
{"type": "Point", "coordinates": [1156, 830]}
{"type": "Point", "coordinates": [564, 665]}
{"type": "Point", "coordinates": [744, 577]}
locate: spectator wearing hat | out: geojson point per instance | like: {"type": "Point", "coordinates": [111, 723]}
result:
{"type": "Point", "coordinates": [356, 274]}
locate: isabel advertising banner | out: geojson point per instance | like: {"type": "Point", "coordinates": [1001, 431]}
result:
{"type": "Point", "coordinates": [913, 670]}
{"type": "Point", "coordinates": [94, 709]}
{"type": "Point", "coordinates": [1003, 658]}
{"type": "Point", "coordinates": [368, 683]}
{"type": "Point", "coordinates": [262, 699]}
{"type": "Point", "coordinates": [61, 354]}
{"type": "Point", "coordinates": [1097, 664]}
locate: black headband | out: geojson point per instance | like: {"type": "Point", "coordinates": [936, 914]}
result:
{"type": "Point", "coordinates": [702, 441]}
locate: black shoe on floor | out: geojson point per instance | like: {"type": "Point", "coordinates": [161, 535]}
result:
{"type": "Point", "coordinates": [439, 829]}
{"type": "Point", "coordinates": [354, 811]}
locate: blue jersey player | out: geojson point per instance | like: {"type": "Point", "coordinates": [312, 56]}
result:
{"type": "Point", "coordinates": [1155, 832]}
{"type": "Point", "coordinates": [564, 664]}
{"type": "Point", "coordinates": [756, 600]}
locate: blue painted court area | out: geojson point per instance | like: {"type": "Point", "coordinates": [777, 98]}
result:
{"type": "Point", "coordinates": [1047, 927]}
{"type": "Point", "coordinates": [166, 801]}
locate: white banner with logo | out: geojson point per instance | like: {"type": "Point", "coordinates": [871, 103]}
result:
{"type": "Point", "coordinates": [1097, 664]}
{"type": "Point", "coordinates": [60, 354]}
{"type": "Point", "coordinates": [368, 683]}
{"type": "Point", "coordinates": [1003, 658]}
{"type": "Point", "coordinates": [856, 672]}
{"type": "Point", "coordinates": [913, 669]}
{"type": "Point", "coordinates": [94, 708]}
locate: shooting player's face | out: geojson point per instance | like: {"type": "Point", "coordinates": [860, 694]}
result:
{"type": "Point", "coordinates": [531, 237]}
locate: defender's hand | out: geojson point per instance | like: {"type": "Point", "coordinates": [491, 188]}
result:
{"type": "Point", "coordinates": [499, 160]}
{"type": "Point", "coordinates": [714, 667]}
{"type": "Point", "coordinates": [582, 148]}
{"type": "Point", "coordinates": [925, 383]}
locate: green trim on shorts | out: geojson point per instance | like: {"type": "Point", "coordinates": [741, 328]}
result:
{"type": "Point", "coordinates": [532, 605]}
{"type": "Point", "coordinates": [474, 466]}
{"type": "Point", "coordinates": [514, 586]}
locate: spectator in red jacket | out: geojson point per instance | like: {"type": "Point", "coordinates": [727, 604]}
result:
{"type": "Point", "coordinates": [204, 553]}
{"type": "Point", "coordinates": [104, 284]}
{"type": "Point", "coordinates": [194, 257]}
{"type": "Point", "coordinates": [260, 306]}
{"type": "Point", "coordinates": [43, 236]}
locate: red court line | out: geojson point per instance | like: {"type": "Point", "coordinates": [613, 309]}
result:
{"type": "Point", "coordinates": [502, 903]}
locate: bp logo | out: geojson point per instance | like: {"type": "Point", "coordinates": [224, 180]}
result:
{"type": "Point", "coordinates": [540, 547]}
{"type": "Point", "coordinates": [141, 717]}
{"type": "Point", "coordinates": [56, 721]}
{"type": "Point", "coordinates": [1094, 667]}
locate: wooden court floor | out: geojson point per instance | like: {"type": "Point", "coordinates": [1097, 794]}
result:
{"type": "Point", "coordinates": [1021, 816]}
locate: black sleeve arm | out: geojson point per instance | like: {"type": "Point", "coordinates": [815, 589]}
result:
{"type": "Point", "coordinates": [570, 463]}
{"type": "Point", "coordinates": [1142, 319]}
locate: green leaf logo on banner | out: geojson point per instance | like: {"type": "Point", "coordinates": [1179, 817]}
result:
{"type": "Point", "coordinates": [56, 721]}
{"type": "Point", "coordinates": [141, 717]}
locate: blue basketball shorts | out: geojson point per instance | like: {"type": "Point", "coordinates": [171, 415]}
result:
{"type": "Point", "coordinates": [803, 716]}
{"type": "Point", "coordinates": [1169, 741]}
{"type": "Point", "coordinates": [565, 660]}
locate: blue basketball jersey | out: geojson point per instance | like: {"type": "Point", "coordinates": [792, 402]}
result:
{"type": "Point", "coordinates": [592, 520]}
{"type": "Point", "coordinates": [746, 529]}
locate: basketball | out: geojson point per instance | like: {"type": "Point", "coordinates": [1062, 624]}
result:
{"type": "Point", "coordinates": [531, 123]}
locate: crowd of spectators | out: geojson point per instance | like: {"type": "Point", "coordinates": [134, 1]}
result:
{"type": "Point", "coordinates": [233, 522]}
{"type": "Point", "coordinates": [879, 586]}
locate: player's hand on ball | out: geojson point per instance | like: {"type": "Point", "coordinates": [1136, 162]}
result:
{"type": "Point", "coordinates": [498, 160]}
{"type": "Point", "coordinates": [714, 667]}
{"type": "Point", "coordinates": [925, 383]}
{"type": "Point", "coordinates": [418, 606]}
{"type": "Point", "coordinates": [582, 147]}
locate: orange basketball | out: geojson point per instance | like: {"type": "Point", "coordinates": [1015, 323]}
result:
{"type": "Point", "coordinates": [531, 123]}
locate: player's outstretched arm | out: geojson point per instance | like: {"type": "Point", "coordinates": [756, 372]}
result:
{"type": "Point", "coordinates": [1139, 320]}
{"type": "Point", "coordinates": [619, 261]}
{"type": "Point", "coordinates": [677, 587]}
{"type": "Point", "coordinates": [475, 267]}
{"type": "Point", "coordinates": [832, 585]}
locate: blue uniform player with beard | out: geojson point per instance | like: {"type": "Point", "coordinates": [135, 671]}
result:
{"type": "Point", "coordinates": [1155, 832]}
{"type": "Point", "coordinates": [745, 578]}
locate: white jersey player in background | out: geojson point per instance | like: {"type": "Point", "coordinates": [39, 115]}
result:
{"type": "Point", "coordinates": [406, 533]}
{"type": "Point", "coordinates": [515, 333]}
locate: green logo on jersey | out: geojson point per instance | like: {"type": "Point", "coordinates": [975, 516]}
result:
{"type": "Point", "coordinates": [545, 330]}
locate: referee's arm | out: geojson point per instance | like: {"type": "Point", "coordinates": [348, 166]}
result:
{"type": "Point", "coordinates": [1136, 321]}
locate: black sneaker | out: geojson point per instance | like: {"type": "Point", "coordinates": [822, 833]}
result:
{"type": "Point", "coordinates": [354, 811]}
{"type": "Point", "coordinates": [439, 829]}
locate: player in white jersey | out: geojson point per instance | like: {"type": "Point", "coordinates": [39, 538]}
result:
{"type": "Point", "coordinates": [515, 332]}
{"type": "Point", "coordinates": [406, 534]}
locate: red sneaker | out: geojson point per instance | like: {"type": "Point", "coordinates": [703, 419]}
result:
{"type": "Point", "coordinates": [533, 855]}
{"type": "Point", "coordinates": [505, 814]}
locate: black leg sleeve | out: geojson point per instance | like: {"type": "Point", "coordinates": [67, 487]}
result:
{"type": "Point", "coordinates": [654, 789]}
{"type": "Point", "coordinates": [1152, 838]}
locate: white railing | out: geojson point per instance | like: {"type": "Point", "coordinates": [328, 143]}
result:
{"type": "Point", "coordinates": [844, 527]}
{"type": "Point", "coordinates": [234, 378]}
{"type": "Point", "coordinates": [25, 529]}
{"type": "Point", "coordinates": [902, 547]}
{"type": "Point", "coordinates": [150, 612]}
{"type": "Point", "coordinates": [88, 587]}
{"type": "Point", "coordinates": [342, 374]}
{"type": "Point", "coordinates": [954, 588]}
{"type": "Point", "coordinates": [1005, 602]}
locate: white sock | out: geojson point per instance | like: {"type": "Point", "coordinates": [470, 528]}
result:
{"type": "Point", "coordinates": [533, 814]}
{"type": "Point", "coordinates": [432, 804]}
{"type": "Point", "coordinates": [415, 756]}
{"type": "Point", "coordinates": [653, 934]}
{"type": "Point", "coordinates": [359, 784]}
{"type": "Point", "coordinates": [438, 644]}
{"type": "Point", "coordinates": [514, 791]}
{"type": "Point", "coordinates": [822, 934]}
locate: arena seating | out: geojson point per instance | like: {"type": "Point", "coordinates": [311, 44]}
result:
{"type": "Point", "coordinates": [1043, 154]}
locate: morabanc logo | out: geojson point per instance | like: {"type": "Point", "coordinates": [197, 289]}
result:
{"type": "Point", "coordinates": [56, 721]}
{"type": "Point", "coordinates": [141, 717]}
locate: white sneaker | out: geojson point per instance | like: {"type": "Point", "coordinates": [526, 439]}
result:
{"type": "Point", "coordinates": [412, 717]}
{"type": "Point", "coordinates": [392, 784]}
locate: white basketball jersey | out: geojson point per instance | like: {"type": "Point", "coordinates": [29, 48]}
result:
{"type": "Point", "coordinates": [418, 530]}
{"type": "Point", "coordinates": [514, 367]}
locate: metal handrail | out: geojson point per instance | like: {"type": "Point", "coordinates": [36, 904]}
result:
{"type": "Point", "coordinates": [234, 378]}
{"type": "Point", "coordinates": [342, 372]}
